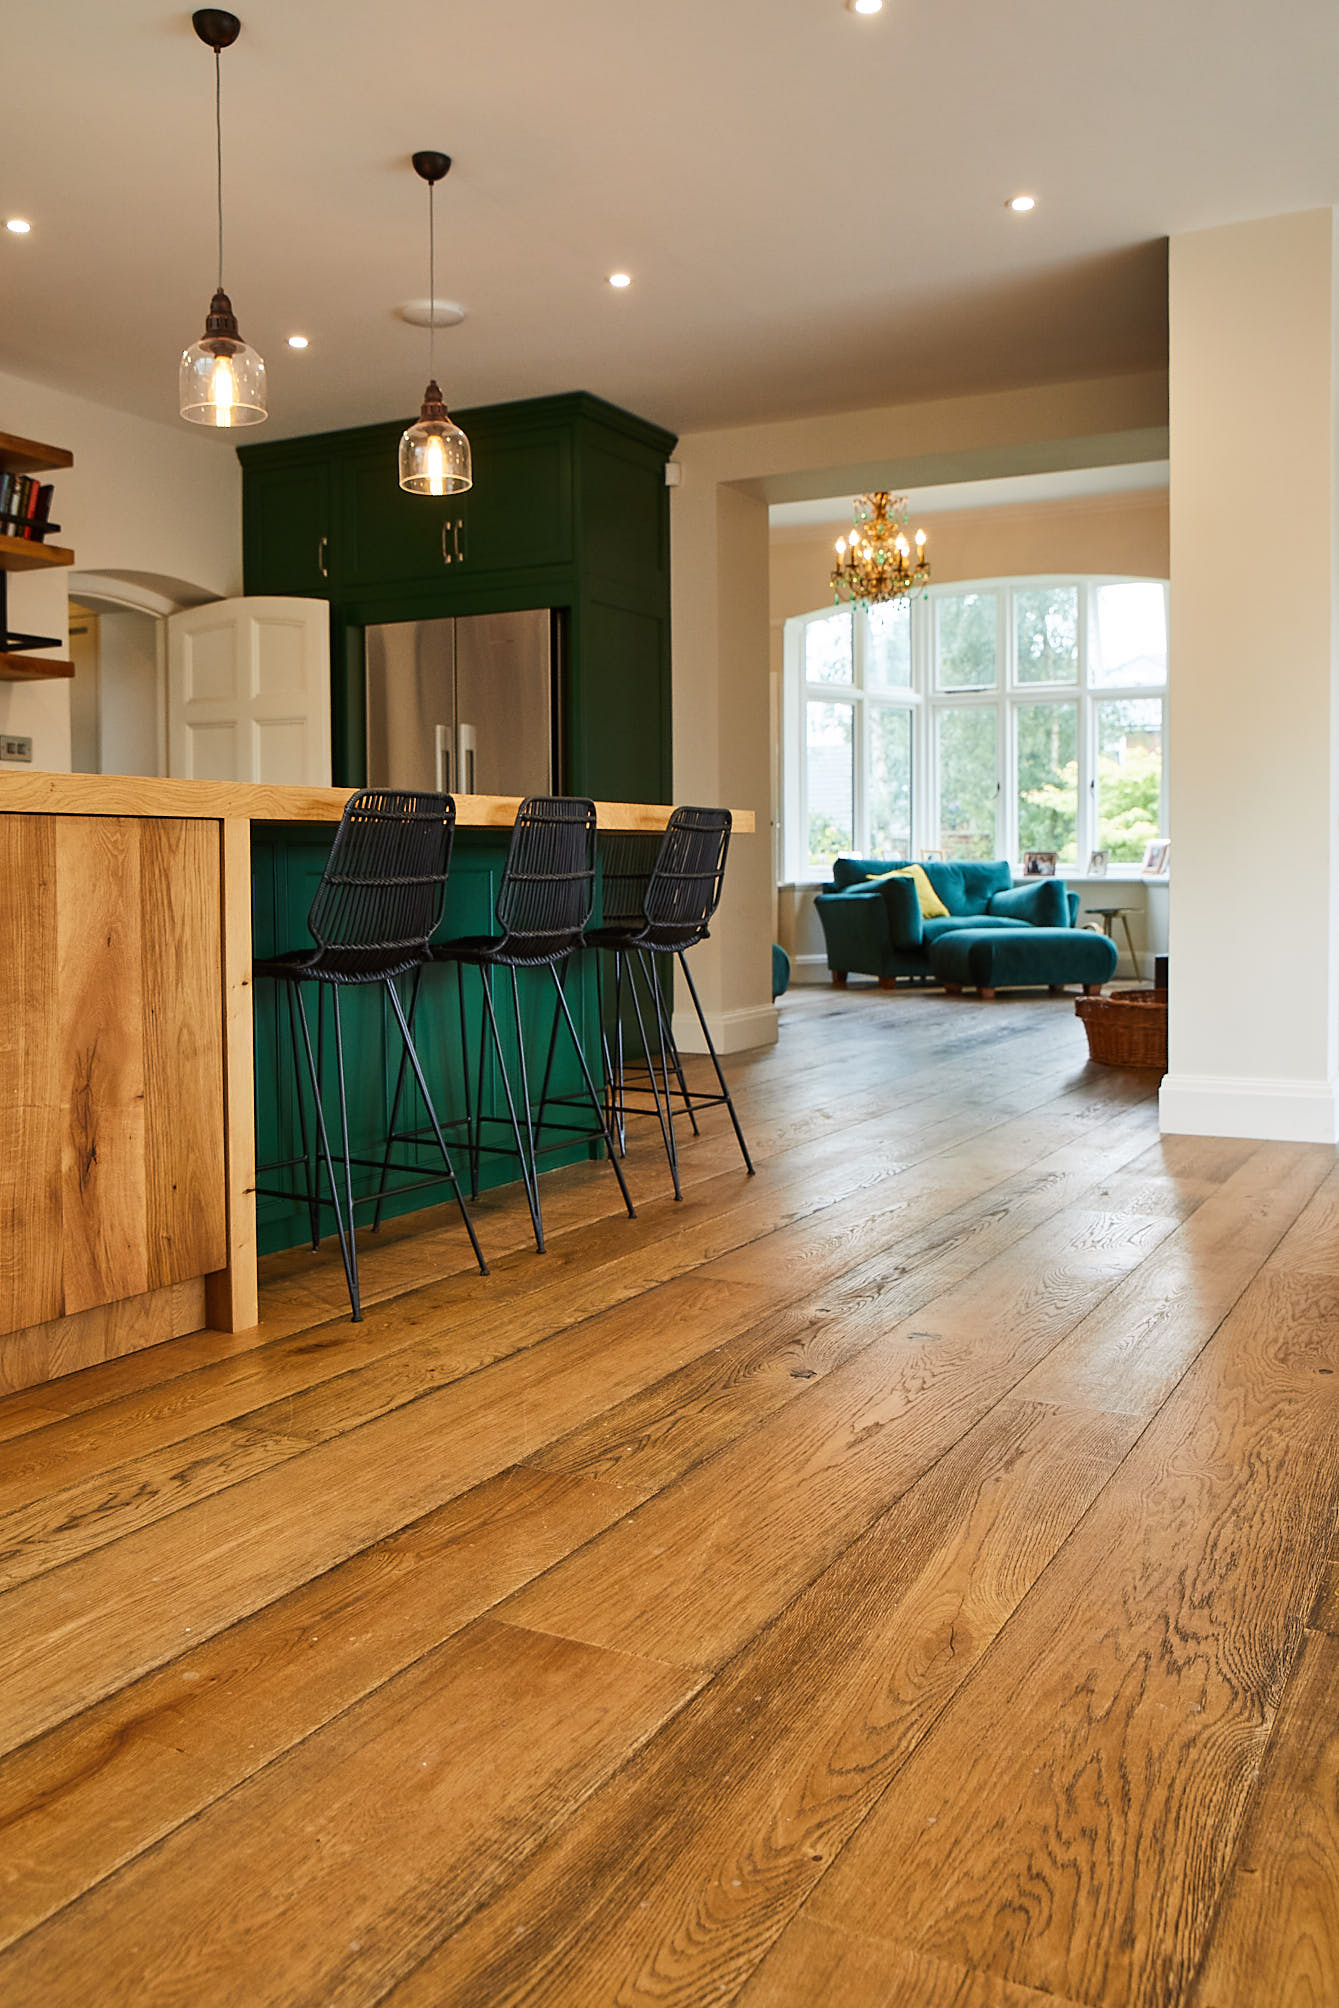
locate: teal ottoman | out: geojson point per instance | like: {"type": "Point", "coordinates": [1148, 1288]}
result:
{"type": "Point", "coordinates": [1022, 957]}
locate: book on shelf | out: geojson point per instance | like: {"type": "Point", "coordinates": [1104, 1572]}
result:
{"type": "Point", "coordinates": [25, 506]}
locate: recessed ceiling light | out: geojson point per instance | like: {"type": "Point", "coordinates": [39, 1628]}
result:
{"type": "Point", "coordinates": [19, 225]}
{"type": "Point", "coordinates": [297, 341]}
{"type": "Point", "coordinates": [620, 278]}
{"type": "Point", "coordinates": [1020, 204]}
{"type": "Point", "coordinates": [864, 6]}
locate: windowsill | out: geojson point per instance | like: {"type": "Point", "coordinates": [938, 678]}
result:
{"type": "Point", "coordinates": [1120, 875]}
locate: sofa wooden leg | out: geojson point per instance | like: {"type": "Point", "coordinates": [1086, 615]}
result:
{"type": "Point", "coordinates": [1056, 989]}
{"type": "Point", "coordinates": [987, 993]}
{"type": "Point", "coordinates": [839, 979]}
{"type": "Point", "coordinates": [887, 983]}
{"type": "Point", "coordinates": [953, 989]}
{"type": "Point", "coordinates": [1092, 990]}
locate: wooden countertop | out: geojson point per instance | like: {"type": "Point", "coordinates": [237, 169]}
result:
{"type": "Point", "coordinates": [130, 795]}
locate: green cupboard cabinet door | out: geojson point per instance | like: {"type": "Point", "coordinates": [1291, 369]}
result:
{"type": "Point", "coordinates": [288, 546]}
{"type": "Point", "coordinates": [389, 537]}
{"type": "Point", "coordinates": [518, 516]}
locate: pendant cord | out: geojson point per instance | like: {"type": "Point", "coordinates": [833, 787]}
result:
{"type": "Point", "coordinates": [218, 138]}
{"type": "Point", "coordinates": [432, 286]}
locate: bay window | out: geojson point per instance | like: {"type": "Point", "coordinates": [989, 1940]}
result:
{"type": "Point", "coordinates": [983, 720]}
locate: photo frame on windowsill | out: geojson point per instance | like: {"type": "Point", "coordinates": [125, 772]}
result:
{"type": "Point", "coordinates": [1098, 863]}
{"type": "Point", "coordinates": [1040, 864]}
{"type": "Point", "coordinates": [1157, 857]}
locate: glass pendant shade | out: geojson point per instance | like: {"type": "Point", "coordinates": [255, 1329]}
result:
{"type": "Point", "coordinates": [434, 453]}
{"type": "Point", "coordinates": [222, 380]}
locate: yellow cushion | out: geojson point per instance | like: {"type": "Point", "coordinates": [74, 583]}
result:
{"type": "Point", "coordinates": [932, 906]}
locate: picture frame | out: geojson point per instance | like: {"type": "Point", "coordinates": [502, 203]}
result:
{"type": "Point", "coordinates": [1157, 857]}
{"type": "Point", "coordinates": [932, 857]}
{"type": "Point", "coordinates": [1098, 863]}
{"type": "Point", "coordinates": [1040, 864]}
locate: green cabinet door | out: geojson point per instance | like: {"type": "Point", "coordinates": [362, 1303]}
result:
{"type": "Point", "coordinates": [287, 535]}
{"type": "Point", "coordinates": [518, 517]}
{"type": "Point", "coordinates": [386, 536]}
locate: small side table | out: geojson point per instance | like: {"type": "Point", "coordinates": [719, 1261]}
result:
{"type": "Point", "coordinates": [1108, 915]}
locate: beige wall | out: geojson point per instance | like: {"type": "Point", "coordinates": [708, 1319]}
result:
{"type": "Point", "coordinates": [1103, 533]}
{"type": "Point", "coordinates": [723, 734]}
{"type": "Point", "coordinates": [1252, 711]}
{"type": "Point", "coordinates": [141, 498]}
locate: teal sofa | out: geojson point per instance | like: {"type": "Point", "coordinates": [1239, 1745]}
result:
{"type": "Point", "coordinates": [877, 930]}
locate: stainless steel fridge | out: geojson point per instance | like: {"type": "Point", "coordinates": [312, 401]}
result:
{"type": "Point", "coordinates": [467, 706]}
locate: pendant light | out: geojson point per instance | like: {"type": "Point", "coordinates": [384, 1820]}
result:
{"type": "Point", "coordinates": [221, 380]}
{"type": "Point", "coordinates": [434, 453]}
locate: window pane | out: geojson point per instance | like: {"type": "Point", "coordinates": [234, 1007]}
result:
{"type": "Point", "coordinates": [967, 781]}
{"type": "Point", "coordinates": [888, 646]}
{"type": "Point", "coordinates": [827, 649]}
{"type": "Point", "coordinates": [1048, 778]}
{"type": "Point", "coordinates": [829, 781]}
{"type": "Point", "coordinates": [1046, 623]}
{"type": "Point", "coordinates": [1129, 776]}
{"type": "Point", "coordinates": [965, 635]}
{"type": "Point", "coordinates": [1129, 638]}
{"type": "Point", "coordinates": [888, 734]}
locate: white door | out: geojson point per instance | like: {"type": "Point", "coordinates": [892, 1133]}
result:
{"type": "Point", "coordinates": [248, 692]}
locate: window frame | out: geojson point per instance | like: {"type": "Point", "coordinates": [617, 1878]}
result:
{"type": "Point", "coordinates": [922, 695]}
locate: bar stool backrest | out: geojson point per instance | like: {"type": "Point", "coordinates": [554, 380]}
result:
{"type": "Point", "coordinates": [627, 858]}
{"type": "Point", "coordinates": [684, 889]}
{"type": "Point", "coordinates": [548, 885]}
{"type": "Point", "coordinates": [382, 891]}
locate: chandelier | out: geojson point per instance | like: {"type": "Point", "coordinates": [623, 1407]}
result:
{"type": "Point", "coordinates": [874, 563]}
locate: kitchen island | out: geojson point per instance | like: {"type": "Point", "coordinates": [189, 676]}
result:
{"type": "Point", "coordinates": [131, 1047]}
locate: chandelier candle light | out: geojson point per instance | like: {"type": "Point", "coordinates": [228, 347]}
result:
{"type": "Point", "coordinates": [434, 453]}
{"type": "Point", "coordinates": [221, 380]}
{"type": "Point", "coordinates": [874, 563]}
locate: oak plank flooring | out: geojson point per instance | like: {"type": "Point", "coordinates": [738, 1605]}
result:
{"type": "Point", "coordinates": [908, 1576]}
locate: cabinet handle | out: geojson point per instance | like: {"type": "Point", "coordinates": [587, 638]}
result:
{"type": "Point", "coordinates": [456, 527]}
{"type": "Point", "coordinates": [446, 555]}
{"type": "Point", "coordinates": [322, 556]}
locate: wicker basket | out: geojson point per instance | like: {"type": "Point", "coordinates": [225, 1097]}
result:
{"type": "Point", "coordinates": [1128, 1028]}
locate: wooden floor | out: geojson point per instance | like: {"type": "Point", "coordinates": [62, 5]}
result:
{"type": "Point", "coordinates": [904, 1578]}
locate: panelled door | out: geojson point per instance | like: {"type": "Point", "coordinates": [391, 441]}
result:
{"type": "Point", "coordinates": [249, 692]}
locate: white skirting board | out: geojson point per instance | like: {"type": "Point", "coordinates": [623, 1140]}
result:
{"type": "Point", "coordinates": [1276, 1111]}
{"type": "Point", "coordinates": [814, 969]}
{"type": "Point", "coordinates": [733, 1031]}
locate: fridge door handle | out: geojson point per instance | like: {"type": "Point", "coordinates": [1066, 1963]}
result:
{"type": "Point", "coordinates": [442, 739]}
{"type": "Point", "coordinates": [468, 753]}
{"type": "Point", "coordinates": [457, 526]}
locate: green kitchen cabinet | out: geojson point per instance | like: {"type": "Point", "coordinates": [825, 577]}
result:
{"type": "Point", "coordinates": [288, 545]}
{"type": "Point", "coordinates": [568, 510]}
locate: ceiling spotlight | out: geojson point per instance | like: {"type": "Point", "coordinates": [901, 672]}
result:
{"type": "Point", "coordinates": [864, 6]}
{"type": "Point", "coordinates": [19, 225]}
{"type": "Point", "coordinates": [1020, 204]}
{"type": "Point", "coordinates": [297, 341]}
{"type": "Point", "coordinates": [620, 279]}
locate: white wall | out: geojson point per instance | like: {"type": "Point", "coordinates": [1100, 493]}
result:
{"type": "Point", "coordinates": [1254, 1003]}
{"type": "Point", "coordinates": [141, 498]}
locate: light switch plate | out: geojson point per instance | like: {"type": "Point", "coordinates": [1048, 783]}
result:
{"type": "Point", "coordinates": [15, 749]}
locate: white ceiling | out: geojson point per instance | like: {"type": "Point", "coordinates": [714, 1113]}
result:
{"type": "Point", "coordinates": [811, 203]}
{"type": "Point", "coordinates": [1009, 492]}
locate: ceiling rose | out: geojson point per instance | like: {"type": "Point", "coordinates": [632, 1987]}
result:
{"type": "Point", "coordinates": [419, 313]}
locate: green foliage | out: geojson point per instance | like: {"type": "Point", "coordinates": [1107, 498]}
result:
{"type": "Point", "coordinates": [1129, 793]}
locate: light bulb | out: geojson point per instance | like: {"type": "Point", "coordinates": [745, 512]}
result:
{"type": "Point", "coordinates": [222, 391]}
{"type": "Point", "coordinates": [434, 466]}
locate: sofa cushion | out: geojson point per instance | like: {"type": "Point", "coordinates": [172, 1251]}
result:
{"type": "Point", "coordinates": [854, 871]}
{"type": "Point", "coordinates": [935, 930]}
{"type": "Point", "coordinates": [1045, 903]}
{"type": "Point", "coordinates": [931, 905]}
{"type": "Point", "coordinates": [967, 888]}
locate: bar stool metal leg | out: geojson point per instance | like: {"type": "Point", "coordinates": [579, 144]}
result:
{"type": "Point", "coordinates": [414, 1062]}
{"type": "Point", "coordinates": [706, 1033]}
{"type": "Point", "coordinates": [592, 1092]}
{"type": "Point", "coordinates": [347, 1252]}
{"type": "Point", "coordinates": [660, 1083]}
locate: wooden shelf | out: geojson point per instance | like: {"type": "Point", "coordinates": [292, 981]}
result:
{"type": "Point", "coordinates": [30, 456]}
{"type": "Point", "coordinates": [33, 668]}
{"type": "Point", "coordinates": [20, 554]}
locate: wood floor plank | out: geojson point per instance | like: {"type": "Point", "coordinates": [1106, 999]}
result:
{"type": "Point", "coordinates": [378, 1832]}
{"type": "Point", "coordinates": [690, 1574]}
{"type": "Point", "coordinates": [1138, 1684]}
{"type": "Point", "coordinates": [689, 1885]}
{"type": "Point", "coordinates": [1276, 1936]}
{"type": "Point", "coordinates": [93, 1793]}
{"type": "Point", "coordinates": [815, 1963]}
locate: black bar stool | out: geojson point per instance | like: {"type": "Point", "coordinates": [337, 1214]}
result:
{"type": "Point", "coordinates": [543, 904]}
{"type": "Point", "coordinates": [662, 907]}
{"type": "Point", "coordinates": [380, 899]}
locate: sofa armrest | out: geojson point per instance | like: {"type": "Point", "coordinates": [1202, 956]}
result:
{"type": "Point", "coordinates": [1073, 902]}
{"type": "Point", "coordinates": [1044, 904]}
{"type": "Point", "coordinates": [855, 929]}
{"type": "Point", "coordinates": [902, 904]}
